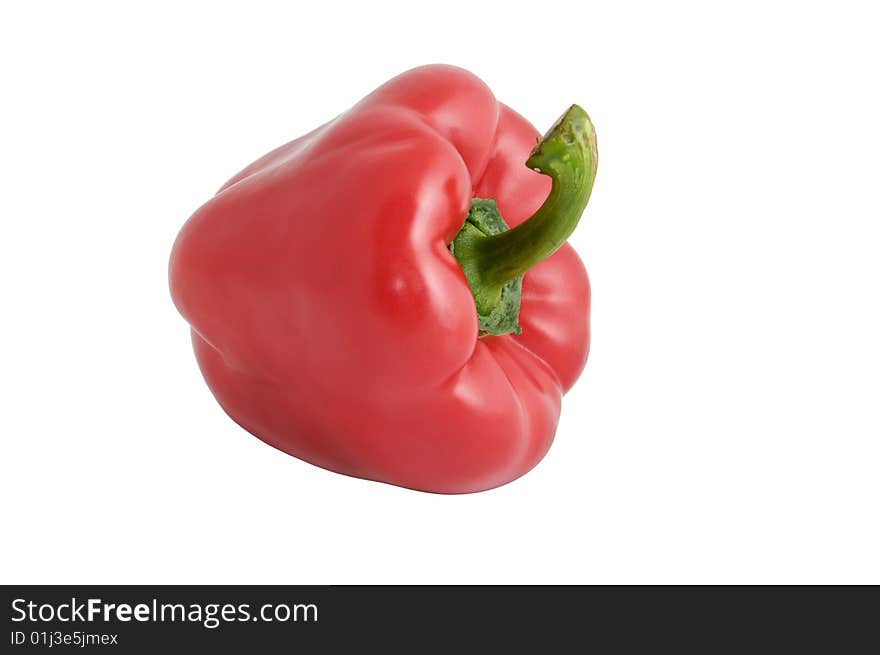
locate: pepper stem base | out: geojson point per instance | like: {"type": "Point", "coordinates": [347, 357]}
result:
{"type": "Point", "coordinates": [497, 308]}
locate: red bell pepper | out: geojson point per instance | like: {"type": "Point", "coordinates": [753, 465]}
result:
{"type": "Point", "coordinates": [357, 299]}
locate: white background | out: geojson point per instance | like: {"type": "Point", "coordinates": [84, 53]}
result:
{"type": "Point", "coordinates": [725, 430]}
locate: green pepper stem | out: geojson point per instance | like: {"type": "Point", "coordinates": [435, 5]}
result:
{"type": "Point", "coordinates": [567, 154]}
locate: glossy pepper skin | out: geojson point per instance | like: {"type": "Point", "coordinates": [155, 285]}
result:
{"type": "Point", "coordinates": [330, 319]}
